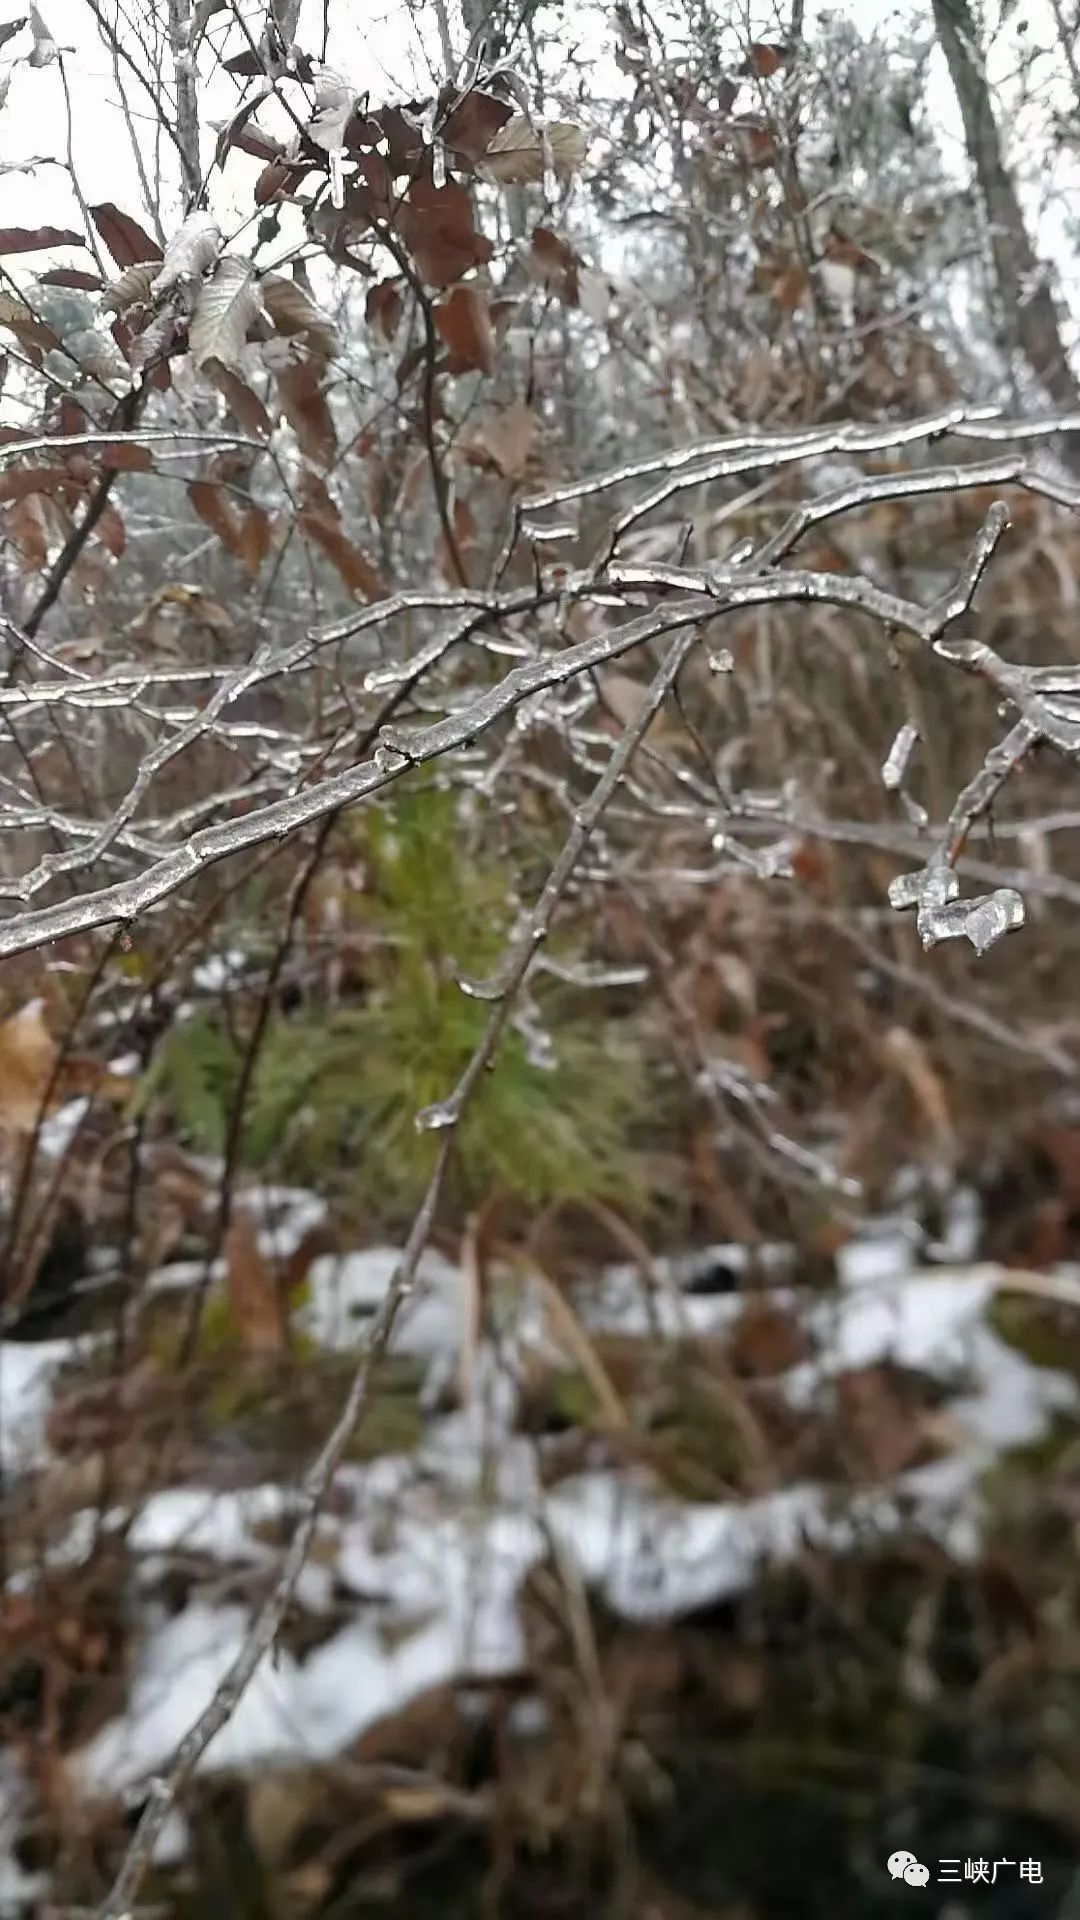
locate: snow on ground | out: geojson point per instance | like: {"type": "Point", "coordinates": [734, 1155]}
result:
{"type": "Point", "coordinates": [18, 1889]}
{"type": "Point", "coordinates": [419, 1566]}
{"type": "Point", "coordinates": [344, 1291]}
{"type": "Point", "coordinates": [27, 1371]}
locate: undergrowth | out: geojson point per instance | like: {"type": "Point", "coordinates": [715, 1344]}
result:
{"type": "Point", "coordinates": [336, 1092]}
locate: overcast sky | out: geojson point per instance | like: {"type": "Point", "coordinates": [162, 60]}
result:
{"type": "Point", "coordinates": [385, 47]}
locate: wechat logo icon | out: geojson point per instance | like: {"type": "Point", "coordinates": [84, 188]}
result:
{"type": "Point", "coordinates": [904, 1866]}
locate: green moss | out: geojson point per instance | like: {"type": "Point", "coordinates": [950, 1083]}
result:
{"type": "Point", "coordinates": [279, 1403]}
{"type": "Point", "coordinates": [1046, 1334]}
{"type": "Point", "coordinates": [1055, 1452]}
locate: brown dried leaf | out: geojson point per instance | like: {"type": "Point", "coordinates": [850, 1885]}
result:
{"type": "Point", "coordinates": [130, 288]}
{"type": "Point", "coordinates": [257, 1303]}
{"type": "Point", "coordinates": [151, 346]}
{"type": "Point", "coordinates": [464, 321]}
{"type": "Point", "coordinates": [28, 1055]}
{"type": "Point", "coordinates": [243, 533]}
{"type": "Point", "coordinates": [520, 151]}
{"type": "Point", "coordinates": [256, 533]}
{"type": "Point", "coordinates": [320, 521]}
{"type": "Point", "coordinates": [239, 398]}
{"type": "Point", "coordinates": [126, 240]}
{"type": "Point", "coordinates": [883, 1426]}
{"type": "Point", "coordinates": [246, 66]}
{"type": "Point", "coordinates": [766, 1340]}
{"type": "Point", "coordinates": [213, 505]}
{"type": "Point", "coordinates": [908, 1054]}
{"type": "Point", "coordinates": [35, 337]}
{"type": "Point", "coordinates": [473, 122]}
{"type": "Point", "coordinates": [110, 530]}
{"type": "Point", "coordinates": [400, 127]}
{"type": "Point", "coordinates": [293, 311]}
{"type": "Point", "coordinates": [505, 439]}
{"type": "Point", "coordinates": [383, 307]}
{"type": "Point", "coordinates": [766, 58]}
{"type": "Point", "coordinates": [279, 178]}
{"type": "Point", "coordinates": [33, 239]}
{"type": "Point", "coordinates": [370, 193]}
{"type": "Point", "coordinates": [17, 482]}
{"type": "Point", "coordinates": [238, 133]}
{"type": "Point", "coordinates": [787, 284]}
{"type": "Point", "coordinates": [74, 277]}
{"type": "Point", "coordinates": [304, 405]}
{"type": "Point", "coordinates": [437, 224]}
{"type": "Point", "coordinates": [44, 50]}
{"type": "Point", "coordinates": [26, 531]}
{"type": "Point", "coordinates": [552, 262]}
{"type": "Point", "coordinates": [754, 143]}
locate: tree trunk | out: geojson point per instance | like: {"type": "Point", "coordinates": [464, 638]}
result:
{"type": "Point", "coordinates": [187, 99]}
{"type": "Point", "coordinates": [1029, 311]}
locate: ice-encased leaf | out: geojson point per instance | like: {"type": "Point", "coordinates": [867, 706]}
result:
{"type": "Point", "coordinates": [44, 50]}
{"type": "Point", "coordinates": [984, 921]}
{"type": "Point", "coordinates": [929, 887]}
{"type": "Point", "coordinates": [155, 341]}
{"type": "Point", "coordinates": [130, 288]}
{"type": "Point", "coordinates": [942, 915]}
{"type": "Point", "coordinates": [228, 303]}
{"type": "Point", "coordinates": [519, 150]}
{"type": "Point", "coordinates": [190, 251]}
{"type": "Point", "coordinates": [291, 310]}
{"type": "Point", "coordinates": [334, 103]}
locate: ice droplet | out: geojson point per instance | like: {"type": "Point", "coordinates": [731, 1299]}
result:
{"type": "Point", "coordinates": [899, 756]}
{"type": "Point", "coordinates": [722, 661]}
{"type": "Point", "coordinates": [438, 1118]}
{"type": "Point", "coordinates": [492, 988]}
{"type": "Point", "coordinates": [389, 760]}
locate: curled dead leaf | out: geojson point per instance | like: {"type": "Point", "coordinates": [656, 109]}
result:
{"type": "Point", "coordinates": [523, 151]}
{"type": "Point", "coordinates": [320, 521]}
{"type": "Point", "coordinates": [304, 405]}
{"type": "Point", "coordinates": [292, 311]}
{"type": "Point", "coordinates": [257, 1301]}
{"type": "Point", "coordinates": [28, 1057]}
{"type": "Point", "coordinates": [131, 288]}
{"type": "Point", "coordinates": [504, 440]}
